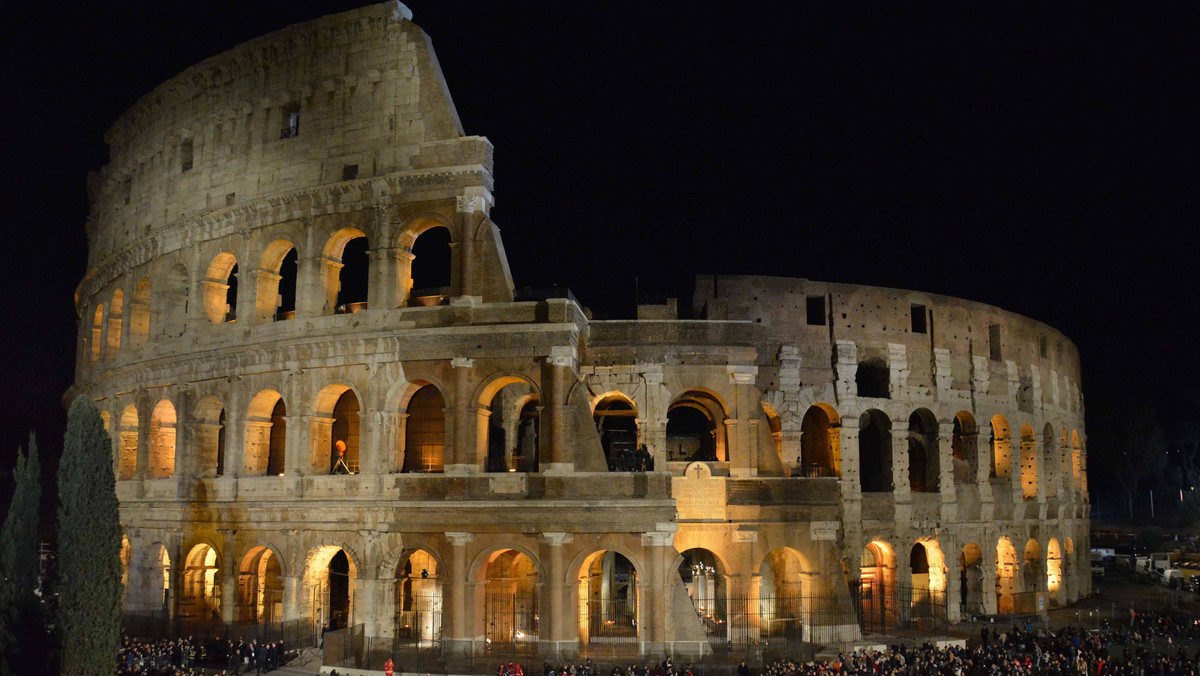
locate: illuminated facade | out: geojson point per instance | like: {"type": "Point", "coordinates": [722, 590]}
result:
{"type": "Point", "coordinates": [291, 252]}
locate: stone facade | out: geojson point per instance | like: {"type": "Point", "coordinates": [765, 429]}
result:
{"type": "Point", "coordinates": [814, 448]}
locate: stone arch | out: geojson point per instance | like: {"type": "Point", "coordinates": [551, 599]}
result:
{"type": "Point", "coordinates": [615, 415]}
{"type": "Point", "coordinates": [1031, 577]}
{"type": "Point", "coordinates": [275, 296]}
{"type": "Point", "coordinates": [775, 425]}
{"type": "Point", "coordinates": [964, 448]}
{"type": "Point", "coordinates": [139, 314]}
{"type": "Point", "coordinates": [115, 318]}
{"type": "Point", "coordinates": [208, 431]}
{"type": "Point", "coordinates": [821, 442]}
{"type": "Point", "coordinates": [877, 586]}
{"type": "Point", "coordinates": [971, 580]}
{"type": "Point", "coordinates": [157, 580]}
{"type": "Point", "coordinates": [872, 377]}
{"type": "Point", "coordinates": [783, 604]}
{"type": "Point", "coordinates": [1001, 448]}
{"type": "Point", "coordinates": [1054, 574]}
{"type": "Point", "coordinates": [412, 259]}
{"type": "Point", "coordinates": [220, 289]}
{"type": "Point", "coordinates": [97, 332]}
{"type": "Point", "coordinates": [330, 581]}
{"type": "Point", "coordinates": [172, 304]}
{"type": "Point", "coordinates": [127, 450]}
{"type": "Point", "coordinates": [927, 568]}
{"type": "Point", "coordinates": [1006, 576]}
{"type": "Point", "coordinates": [425, 430]}
{"type": "Point", "coordinates": [875, 451]}
{"type": "Point", "coordinates": [266, 435]}
{"type": "Point", "coordinates": [1029, 466]}
{"type": "Point", "coordinates": [608, 598]}
{"type": "Point", "coordinates": [696, 427]}
{"type": "Point", "coordinates": [510, 414]}
{"type": "Point", "coordinates": [924, 456]}
{"type": "Point", "coordinates": [260, 586]}
{"type": "Point", "coordinates": [346, 274]}
{"type": "Point", "coordinates": [201, 593]}
{"type": "Point", "coordinates": [506, 592]}
{"type": "Point", "coordinates": [1050, 460]}
{"type": "Point", "coordinates": [337, 419]}
{"type": "Point", "coordinates": [418, 599]}
{"type": "Point", "coordinates": [162, 440]}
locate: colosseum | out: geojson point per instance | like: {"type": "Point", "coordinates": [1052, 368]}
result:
{"type": "Point", "coordinates": [330, 404]}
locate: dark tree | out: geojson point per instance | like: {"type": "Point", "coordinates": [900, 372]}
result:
{"type": "Point", "coordinates": [20, 610]}
{"type": "Point", "coordinates": [89, 546]}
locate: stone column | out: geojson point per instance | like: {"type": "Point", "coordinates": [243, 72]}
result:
{"type": "Point", "coordinates": [266, 297]}
{"type": "Point", "coordinates": [463, 454]}
{"type": "Point", "coordinates": [379, 285]}
{"type": "Point", "coordinates": [556, 634]}
{"type": "Point", "coordinates": [658, 546]}
{"type": "Point", "coordinates": [945, 455]}
{"type": "Point", "coordinates": [310, 286]}
{"type": "Point", "coordinates": [556, 458]}
{"type": "Point", "coordinates": [291, 597]}
{"type": "Point", "coordinates": [229, 578]}
{"type": "Point", "coordinates": [953, 579]}
{"type": "Point", "coordinates": [366, 602]}
{"type": "Point", "coordinates": [987, 569]}
{"type": "Point", "coordinates": [739, 449]}
{"type": "Point", "coordinates": [471, 209]}
{"type": "Point", "coordinates": [456, 622]}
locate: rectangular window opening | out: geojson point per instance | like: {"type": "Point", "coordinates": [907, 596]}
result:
{"type": "Point", "coordinates": [815, 309]}
{"type": "Point", "coordinates": [1043, 347]}
{"type": "Point", "coordinates": [919, 319]}
{"type": "Point", "coordinates": [291, 121]}
{"type": "Point", "coordinates": [127, 189]}
{"type": "Point", "coordinates": [185, 155]}
{"type": "Point", "coordinates": [230, 198]}
{"type": "Point", "coordinates": [994, 343]}
{"type": "Point", "coordinates": [349, 172]}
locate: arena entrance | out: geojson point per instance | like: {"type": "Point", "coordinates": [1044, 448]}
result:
{"type": "Point", "coordinates": [705, 581]}
{"type": "Point", "coordinates": [418, 619]}
{"type": "Point", "coordinates": [201, 600]}
{"type": "Point", "coordinates": [608, 600]}
{"type": "Point", "coordinates": [329, 582]}
{"type": "Point", "coordinates": [510, 603]}
{"type": "Point", "coordinates": [260, 589]}
{"type": "Point", "coordinates": [877, 587]}
{"type": "Point", "coordinates": [970, 581]}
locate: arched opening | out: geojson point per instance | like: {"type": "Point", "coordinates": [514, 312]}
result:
{"type": "Point", "coordinates": [775, 424]}
{"type": "Point", "coordinates": [608, 598]}
{"type": "Point", "coordinates": [1029, 468]}
{"type": "Point", "coordinates": [783, 603]}
{"type": "Point", "coordinates": [114, 322]}
{"type": "Point", "coordinates": [276, 293]}
{"type": "Point", "coordinates": [97, 332]}
{"type": "Point", "coordinates": [266, 434]}
{"type": "Point", "coordinates": [696, 428]}
{"type": "Point", "coordinates": [510, 601]}
{"type": "Point", "coordinates": [172, 308]}
{"type": "Point", "coordinates": [615, 417]}
{"type": "Point", "coordinates": [260, 589]}
{"type": "Point", "coordinates": [127, 451]}
{"type": "Point", "coordinates": [513, 428]}
{"type": "Point", "coordinates": [347, 271]}
{"type": "Point", "coordinates": [1006, 576]}
{"type": "Point", "coordinates": [875, 452]}
{"type": "Point", "coordinates": [877, 587]}
{"type": "Point", "coordinates": [1031, 575]}
{"type": "Point", "coordinates": [431, 264]}
{"type": "Point", "coordinates": [964, 448]}
{"type": "Point", "coordinates": [162, 441]}
{"type": "Point", "coordinates": [1054, 574]}
{"type": "Point", "coordinates": [158, 585]}
{"type": "Point", "coordinates": [425, 432]}
{"type": "Point", "coordinates": [201, 600]}
{"type": "Point", "coordinates": [872, 378]}
{"type": "Point", "coordinates": [208, 430]}
{"type": "Point", "coordinates": [139, 314]}
{"type": "Point", "coordinates": [704, 578]}
{"type": "Point", "coordinates": [330, 579]}
{"type": "Point", "coordinates": [220, 289]}
{"type": "Point", "coordinates": [928, 579]}
{"type": "Point", "coordinates": [1076, 462]}
{"type": "Point", "coordinates": [125, 556]}
{"type": "Point", "coordinates": [971, 580]}
{"type": "Point", "coordinates": [343, 459]}
{"type": "Point", "coordinates": [418, 619]}
{"type": "Point", "coordinates": [1001, 448]}
{"type": "Point", "coordinates": [820, 442]}
{"type": "Point", "coordinates": [1050, 460]}
{"type": "Point", "coordinates": [924, 467]}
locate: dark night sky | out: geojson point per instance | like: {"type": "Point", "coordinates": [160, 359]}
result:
{"type": "Point", "coordinates": [1042, 160]}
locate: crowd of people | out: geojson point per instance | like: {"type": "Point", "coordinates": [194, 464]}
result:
{"type": "Point", "coordinates": [188, 656]}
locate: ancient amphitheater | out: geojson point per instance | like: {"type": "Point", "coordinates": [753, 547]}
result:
{"type": "Point", "coordinates": [291, 254]}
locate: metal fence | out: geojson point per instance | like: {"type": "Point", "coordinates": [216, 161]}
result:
{"type": "Point", "coordinates": [511, 623]}
{"type": "Point", "coordinates": [156, 626]}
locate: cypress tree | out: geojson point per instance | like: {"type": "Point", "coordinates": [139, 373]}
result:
{"type": "Point", "coordinates": [89, 547]}
{"type": "Point", "coordinates": [20, 609]}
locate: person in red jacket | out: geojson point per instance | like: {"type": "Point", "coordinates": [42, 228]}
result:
{"type": "Point", "coordinates": [388, 667]}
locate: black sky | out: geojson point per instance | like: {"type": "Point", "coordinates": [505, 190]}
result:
{"type": "Point", "coordinates": [1040, 159]}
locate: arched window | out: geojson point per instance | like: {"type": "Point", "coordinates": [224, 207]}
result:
{"type": "Point", "coordinates": [276, 293]}
{"type": "Point", "coordinates": [347, 270]}
{"type": "Point", "coordinates": [209, 431]}
{"type": "Point", "coordinates": [127, 451]}
{"type": "Point", "coordinates": [615, 418]}
{"type": "Point", "coordinates": [139, 314]}
{"type": "Point", "coordinates": [608, 594]}
{"type": "Point", "coordinates": [260, 587]}
{"type": "Point", "coordinates": [924, 466]}
{"type": "Point", "coordinates": [1001, 448]}
{"type": "Point", "coordinates": [332, 576]}
{"type": "Point", "coordinates": [114, 321]}
{"type": "Point", "coordinates": [425, 432]}
{"type": "Point", "coordinates": [431, 263]}
{"type": "Point", "coordinates": [266, 435]}
{"type": "Point", "coordinates": [201, 594]}
{"type": "Point", "coordinates": [514, 428]}
{"type": "Point", "coordinates": [418, 600]}
{"type": "Point", "coordinates": [696, 428]}
{"type": "Point", "coordinates": [220, 289]}
{"type": "Point", "coordinates": [964, 448]}
{"type": "Point", "coordinates": [97, 332]}
{"type": "Point", "coordinates": [509, 586]}
{"type": "Point", "coordinates": [875, 452]}
{"type": "Point", "coordinates": [820, 442]}
{"type": "Point", "coordinates": [162, 441]}
{"type": "Point", "coordinates": [345, 430]}
{"type": "Point", "coordinates": [872, 378]}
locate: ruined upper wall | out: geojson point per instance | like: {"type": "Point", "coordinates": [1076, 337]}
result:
{"type": "Point", "coordinates": [353, 95]}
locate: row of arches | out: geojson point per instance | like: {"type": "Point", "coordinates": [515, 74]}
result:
{"type": "Point", "coordinates": [341, 273]}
